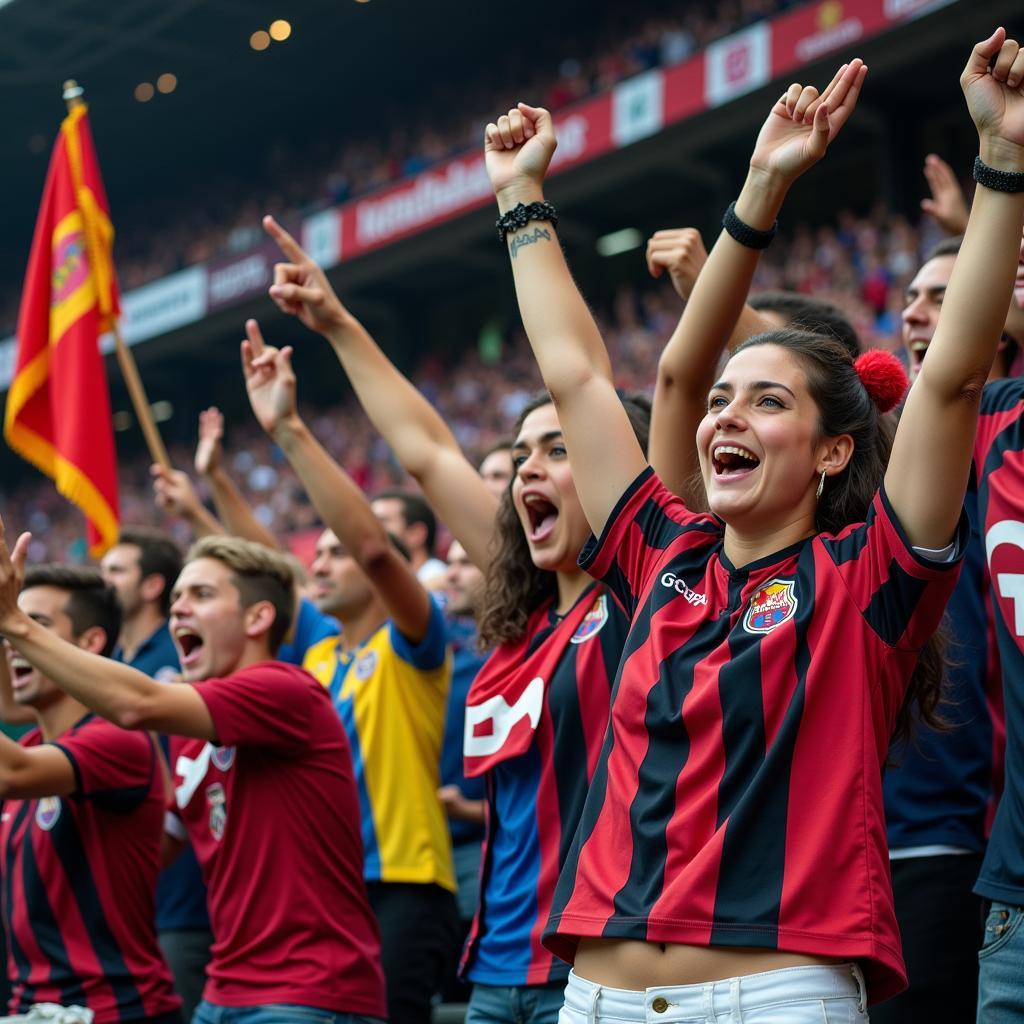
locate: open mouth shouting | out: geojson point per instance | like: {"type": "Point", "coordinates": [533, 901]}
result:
{"type": "Point", "coordinates": [733, 461]}
{"type": "Point", "coordinates": [542, 516]}
{"type": "Point", "coordinates": [917, 348]}
{"type": "Point", "coordinates": [21, 670]}
{"type": "Point", "coordinates": [190, 643]}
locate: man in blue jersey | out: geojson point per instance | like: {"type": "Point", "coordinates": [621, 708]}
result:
{"type": "Point", "coordinates": [142, 567]}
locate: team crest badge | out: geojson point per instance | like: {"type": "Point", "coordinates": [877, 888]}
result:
{"type": "Point", "coordinates": [216, 800]}
{"type": "Point", "coordinates": [366, 666]}
{"type": "Point", "coordinates": [223, 757]}
{"type": "Point", "coordinates": [771, 606]}
{"type": "Point", "coordinates": [47, 812]}
{"type": "Point", "coordinates": [592, 622]}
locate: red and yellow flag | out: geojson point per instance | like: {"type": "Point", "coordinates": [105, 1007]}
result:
{"type": "Point", "coordinates": [58, 406]}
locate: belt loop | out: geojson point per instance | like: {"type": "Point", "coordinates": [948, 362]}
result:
{"type": "Point", "coordinates": [734, 1000]}
{"type": "Point", "coordinates": [708, 993]}
{"type": "Point", "coordinates": [862, 989]}
{"type": "Point", "coordinates": [592, 997]}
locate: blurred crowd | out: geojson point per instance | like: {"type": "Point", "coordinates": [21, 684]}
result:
{"type": "Point", "coordinates": [861, 264]}
{"type": "Point", "coordinates": [224, 216]}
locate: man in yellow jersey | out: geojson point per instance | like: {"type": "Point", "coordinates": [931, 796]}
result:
{"type": "Point", "coordinates": [389, 674]}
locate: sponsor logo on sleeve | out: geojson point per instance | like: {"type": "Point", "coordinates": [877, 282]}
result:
{"type": "Point", "coordinates": [771, 606]}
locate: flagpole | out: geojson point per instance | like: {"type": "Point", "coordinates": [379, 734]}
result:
{"type": "Point", "coordinates": [129, 370]}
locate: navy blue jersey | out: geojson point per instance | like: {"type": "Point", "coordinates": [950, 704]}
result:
{"type": "Point", "coordinates": [999, 467]}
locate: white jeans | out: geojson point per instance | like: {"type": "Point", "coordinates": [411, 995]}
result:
{"type": "Point", "coordinates": [793, 995]}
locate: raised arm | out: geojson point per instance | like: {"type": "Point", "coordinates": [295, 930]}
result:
{"type": "Point", "coordinates": [604, 452]}
{"type": "Point", "coordinates": [119, 693]}
{"type": "Point", "coordinates": [927, 474]}
{"type": "Point", "coordinates": [418, 436]}
{"type": "Point", "coordinates": [234, 511]}
{"type": "Point", "coordinates": [947, 203]}
{"type": "Point", "coordinates": [341, 504]}
{"type": "Point", "coordinates": [795, 136]}
{"type": "Point", "coordinates": [176, 496]}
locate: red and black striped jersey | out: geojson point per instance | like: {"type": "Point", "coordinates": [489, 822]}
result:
{"type": "Point", "coordinates": [999, 468]}
{"type": "Point", "coordinates": [79, 877]}
{"type": "Point", "coordinates": [738, 799]}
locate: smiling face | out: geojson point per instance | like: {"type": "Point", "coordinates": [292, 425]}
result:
{"type": "Point", "coordinates": [47, 606]}
{"type": "Point", "coordinates": [760, 451]}
{"type": "Point", "coordinates": [544, 495]}
{"type": "Point", "coordinates": [924, 303]}
{"type": "Point", "coordinates": [339, 587]}
{"type": "Point", "coordinates": [208, 622]}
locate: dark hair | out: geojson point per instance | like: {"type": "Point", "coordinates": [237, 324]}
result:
{"type": "Point", "coordinates": [807, 313]}
{"type": "Point", "coordinates": [844, 407]}
{"type": "Point", "coordinates": [947, 247]}
{"type": "Point", "coordinates": [415, 510]}
{"type": "Point", "coordinates": [503, 444]}
{"type": "Point", "coordinates": [91, 602]}
{"type": "Point", "coordinates": [158, 556]}
{"type": "Point", "coordinates": [513, 586]}
{"type": "Point", "coordinates": [257, 573]}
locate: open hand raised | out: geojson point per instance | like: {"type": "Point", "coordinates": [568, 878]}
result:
{"type": "Point", "coordinates": [803, 123]}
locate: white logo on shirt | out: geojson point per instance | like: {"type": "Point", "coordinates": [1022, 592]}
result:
{"type": "Point", "coordinates": [674, 582]}
{"type": "Point", "coordinates": [1009, 584]}
{"type": "Point", "coordinates": [192, 772]}
{"type": "Point", "coordinates": [504, 717]}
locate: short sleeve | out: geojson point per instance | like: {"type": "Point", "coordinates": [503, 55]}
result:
{"type": "Point", "coordinates": [112, 766]}
{"type": "Point", "coordinates": [901, 593]}
{"type": "Point", "coordinates": [647, 520]}
{"type": "Point", "coordinates": [269, 705]}
{"type": "Point", "coordinates": [311, 627]}
{"type": "Point", "coordinates": [432, 650]}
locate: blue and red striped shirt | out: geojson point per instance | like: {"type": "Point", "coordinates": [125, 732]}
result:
{"type": "Point", "coordinates": [534, 800]}
{"type": "Point", "coordinates": [738, 800]}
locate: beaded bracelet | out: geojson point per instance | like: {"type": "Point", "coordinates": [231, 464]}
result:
{"type": "Point", "coordinates": [998, 181]}
{"type": "Point", "coordinates": [743, 233]}
{"type": "Point", "coordinates": [521, 214]}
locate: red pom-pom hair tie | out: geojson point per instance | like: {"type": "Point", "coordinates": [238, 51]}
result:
{"type": "Point", "coordinates": [883, 377]}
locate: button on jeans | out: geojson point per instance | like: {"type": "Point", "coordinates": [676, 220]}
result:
{"type": "Point", "coordinates": [793, 995]}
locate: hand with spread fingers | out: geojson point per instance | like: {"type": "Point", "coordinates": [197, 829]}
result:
{"type": "Point", "coordinates": [211, 434]}
{"type": "Point", "coordinates": [269, 379]}
{"type": "Point", "coordinates": [803, 123]}
{"type": "Point", "coordinates": [301, 287]}
{"type": "Point", "coordinates": [947, 203]}
{"type": "Point", "coordinates": [993, 85]}
{"type": "Point", "coordinates": [681, 252]}
{"type": "Point", "coordinates": [12, 572]}
{"type": "Point", "coordinates": [518, 148]}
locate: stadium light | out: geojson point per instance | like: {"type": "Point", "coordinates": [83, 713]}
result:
{"type": "Point", "coordinates": [144, 92]}
{"type": "Point", "coordinates": [259, 40]}
{"type": "Point", "coordinates": [167, 82]}
{"type": "Point", "coordinates": [619, 241]}
{"type": "Point", "coordinates": [162, 411]}
{"type": "Point", "coordinates": [280, 30]}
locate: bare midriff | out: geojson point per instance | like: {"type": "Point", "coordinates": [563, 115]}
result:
{"type": "Point", "coordinates": [636, 965]}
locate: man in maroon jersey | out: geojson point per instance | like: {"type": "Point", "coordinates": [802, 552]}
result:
{"type": "Point", "coordinates": [80, 832]}
{"type": "Point", "coordinates": [263, 785]}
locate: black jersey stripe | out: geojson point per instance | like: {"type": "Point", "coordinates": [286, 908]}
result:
{"type": "Point", "coordinates": [45, 926]}
{"type": "Point", "coordinates": [748, 897]}
{"type": "Point", "coordinates": [847, 549]}
{"type": "Point", "coordinates": [893, 604]}
{"type": "Point", "coordinates": [68, 845]}
{"type": "Point", "coordinates": [21, 961]}
{"type": "Point", "coordinates": [667, 752]}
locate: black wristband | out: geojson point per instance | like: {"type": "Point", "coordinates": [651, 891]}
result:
{"type": "Point", "coordinates": [998, 181]}
{"type": "Point", "coordinates": [520, 215]}
{"type": "Point", "coordinates": [744, 233]}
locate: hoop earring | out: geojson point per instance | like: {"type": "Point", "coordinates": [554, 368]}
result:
{"type": "Point", "coordinates": [821, 486]}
